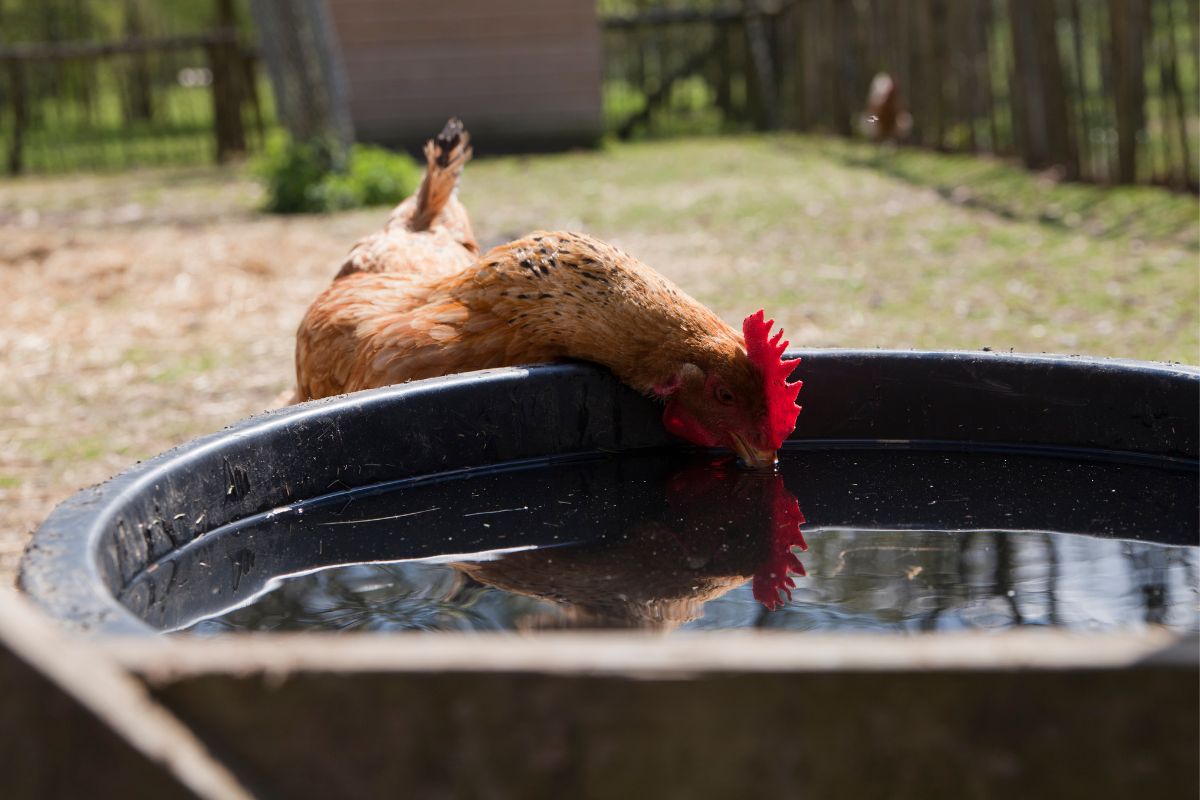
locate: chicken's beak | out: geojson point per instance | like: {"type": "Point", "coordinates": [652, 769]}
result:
{"type": "Point", "coordinates": [751, 456]}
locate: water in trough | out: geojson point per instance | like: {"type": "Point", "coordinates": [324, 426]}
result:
{"type": "Point", "coordinates": [880, 539]}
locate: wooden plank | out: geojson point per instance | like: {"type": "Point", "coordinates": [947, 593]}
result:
{"type": "Point", "coordinates": [547, 61]}
{"type": "Point", "coordinates": [73, 724]}
{"type": "Point", "coordinates": [480, 30]}
{"type": "Point", "coordinates": [497, 132]}
{"type": "Point", "coordinates": [409, 20]}
{"type": "Point", "coordinates": [459, 10]}
{"type": "Point", "coordinates": [1181, 172]}
{"type": "Point", "coordinates": [1126, 19]}
{"type": "Point", "coordinates": [1059, 126]}
{"type": "Point", "coordinates": [1016, 714]}
{"type": "Point", "coordinates": [1029, 125]}
{"type": "Point", "coordinates": [472, 100]}
{"type": "Point", "coordinates": [668, 17]}
{"type": "Point", "coordinates": [1079, 83]}
{"type": "Point", "coordinates": [54, 51]}
{"type": "Point", "coordinates": [938, 69]}
{"type": "Point", "coordinates": [493, 131]}
{"type": "Point", "coordinates": [422, 120]}
{"type": "Point", "coordinates": [649, 654]}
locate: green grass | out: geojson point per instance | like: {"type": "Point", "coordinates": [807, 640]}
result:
{"type": "Point", "coordinates": [1138, 212]}
{"type": "Point", "coordinates": [163, 366]}
{"type": "Point", "coordinates": [186, 366]}
{"type": "Point", "coordinates": [74, 450]}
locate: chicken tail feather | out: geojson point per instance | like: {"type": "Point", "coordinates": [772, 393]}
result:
{"type": "Point", "coordinates": [445, 156]}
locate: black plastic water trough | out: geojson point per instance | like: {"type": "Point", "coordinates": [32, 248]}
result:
{"type": "Point", "coordinates": [105, 560]}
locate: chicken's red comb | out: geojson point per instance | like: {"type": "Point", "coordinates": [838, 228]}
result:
{"type": "Point", "coordinates": [766, 354]}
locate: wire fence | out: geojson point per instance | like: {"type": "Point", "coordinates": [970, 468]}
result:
{"type": "Point", "coordinates": [92, 85]}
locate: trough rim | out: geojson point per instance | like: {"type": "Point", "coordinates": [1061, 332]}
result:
{"type": "Point", "coordinates": [60, 568]}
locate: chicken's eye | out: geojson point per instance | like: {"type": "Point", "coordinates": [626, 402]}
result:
{"type": "Point", "coordinates": [723, 395]}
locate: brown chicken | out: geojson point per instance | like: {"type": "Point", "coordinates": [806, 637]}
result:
{"type": "Point", "coordinates": [414, 301]}
{"type": "Point", "coordinates": [886, 118]}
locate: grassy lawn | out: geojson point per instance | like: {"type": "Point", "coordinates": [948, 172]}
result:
{"type": "Point", "coordinates": [149, 307]}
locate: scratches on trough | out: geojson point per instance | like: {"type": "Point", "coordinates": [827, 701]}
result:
{"type": "Point", "coordinates": [496, 511]}
{"type": "Point", "coordinates": [382, 519]}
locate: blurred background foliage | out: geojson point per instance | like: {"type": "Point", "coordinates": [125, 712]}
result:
{"type": "Point", "coordinates": [1104, 91]}
{"type": "Point", "coordinates": [111, 84]}
{"type": "Point", "coordinates": [300, 177]}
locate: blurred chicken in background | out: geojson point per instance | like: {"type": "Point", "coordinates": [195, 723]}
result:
{"type": "Point", "coordinates": [886, 119]}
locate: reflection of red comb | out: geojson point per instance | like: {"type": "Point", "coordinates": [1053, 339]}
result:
{"type": "Point", "coordinates": [766, 354]}
{"type": "Point", "coordinates": [774, 573]}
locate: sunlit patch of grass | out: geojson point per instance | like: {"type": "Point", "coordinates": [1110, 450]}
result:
{"type": "Point", "coordinates": [1015, 193]}
{"type": "Point", "coordinates": [166, 366]}
{"type": "Point", "coordinates": [186, 366]}
{"type": "Point", "coordinates": [139, 355]}
{"type": "Point", "coordinates": [77, 449]}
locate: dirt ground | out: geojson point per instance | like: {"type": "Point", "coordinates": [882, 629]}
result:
{"type": "Point", "coordinates": [144, 309]}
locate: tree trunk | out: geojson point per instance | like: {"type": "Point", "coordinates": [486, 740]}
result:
{"type": "Point", "coordinates": [840, 69]}
{"type": "Point", "coordinates": [791, 78]}
{"type": "Point", "coordinates": [1083, 116]}
{"type": "Point", "coordinates": [811, 28]}
{"type": "Point", "coordinates": [916, 86]}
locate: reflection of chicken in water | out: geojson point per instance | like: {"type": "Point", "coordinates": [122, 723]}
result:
{"type": "Point", "coordinates": [719, 527]}
{"type": "Point", "coordinates": [886, 118]}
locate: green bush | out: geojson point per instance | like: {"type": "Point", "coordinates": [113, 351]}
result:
{"type": "Point", "coordinates": [300, 177]}
{"type": "Point", "coordinates": [291, 171]}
